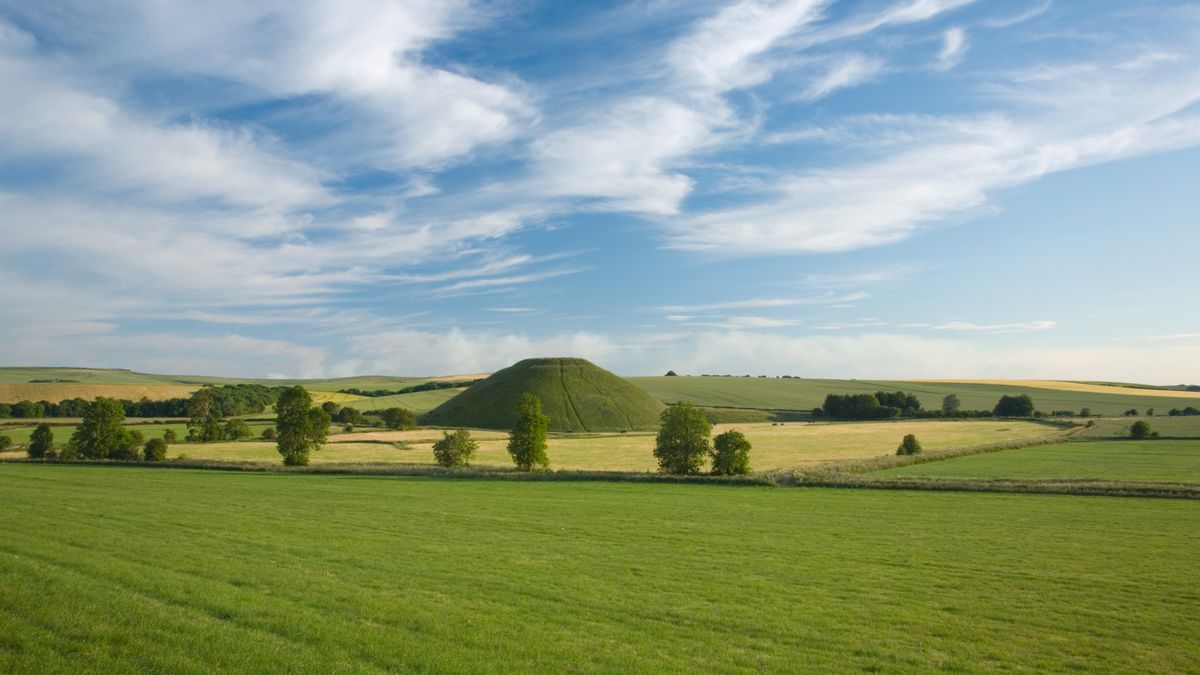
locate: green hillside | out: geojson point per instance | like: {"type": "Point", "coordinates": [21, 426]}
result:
{"type": "Point", "coordinates": [576, 395]}
{"type": "Point", "coordinates": [805, 394]}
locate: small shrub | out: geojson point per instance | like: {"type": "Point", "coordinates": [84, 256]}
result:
{"type": "Point", "coordinates": [169, 436]}
{"type": "Point", "coordinates": [1139, 430]}
{"type": "Point", "coordinates": [155, 450]}
{"type": "Point", "coordinates": [269, 434]}
{"type": "Point", "coordinates": [455, 449]}
{"type": "Point", "coordinates": [909, 446]}
{"type": "Point", "coordinates": [1091, 423]}
{"type": "Point", "coordinates": [5, 443]}
{"type": "Point", "coordinates": [731, 454]}
{"type": "Point", "coordinates": [349, 428]}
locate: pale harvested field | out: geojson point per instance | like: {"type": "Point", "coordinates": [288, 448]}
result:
{"type": "Point", "coordinates": [1059, 385]}
{"type": "Point", "coordinates": [775, 446]}
{"type": "Point", "coordinates": [59, 391]}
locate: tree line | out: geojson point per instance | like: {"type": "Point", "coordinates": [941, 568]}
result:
{"type": "Point", "coordinates": [884, 405]}
{"type": "Point", "coordinates": [426, 386]}
{"type": "Point", "coordinates": [232, 399]}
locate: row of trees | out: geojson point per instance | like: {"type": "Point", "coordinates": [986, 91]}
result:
{"type": "Point", "coordinates": [100, 435]}
{"type": "Point", "coordinates": [424, 386]}
{"type": "Point", "coordinates": [230, 399]}
{"type": "Point", "coordinates": [683, 444]}
{"type": "Point", "coordinates": [887, 405]}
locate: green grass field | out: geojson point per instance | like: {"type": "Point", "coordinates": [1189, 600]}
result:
{"type": "Point", "coordinates": [1175, 461]}
{"type": "Point", "coordinates": [1175, 427]}
{"type": "Point", "coordinates": [805, 394]}
{"type": "Point", "coordinates": [135, 569]}
{"type": "Point", "coordinates": [418, 401]}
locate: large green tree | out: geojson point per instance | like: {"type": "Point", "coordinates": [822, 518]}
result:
{"type": "Point", "coordinates": [204, 411]}
{"type": "Point", "coordinates": [398, 418]}
{"type": "Point", "coordinates": [41, 442]}
{"type": "Point", "coordinates": [951, 404]}
{"type": "Point", "coordinates": [101, 434]}
{"type": "Point", "coordinates": [300, 428]}
{"type": "Point", "coordinates": [527, 441]}
{"type": "Point", "coordinates": [682, 443]}
{"type": "Point", "coordinates": [731, 454]}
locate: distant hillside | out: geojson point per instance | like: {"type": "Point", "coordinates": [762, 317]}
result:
{"type": "Point", "coordinates": [576, 395]}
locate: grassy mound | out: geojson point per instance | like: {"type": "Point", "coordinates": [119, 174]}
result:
{"type": "Point", "coordinates": [576, 394]}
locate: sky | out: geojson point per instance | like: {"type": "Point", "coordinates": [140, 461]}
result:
{"type": "Point", "coordinates": [817, 188]}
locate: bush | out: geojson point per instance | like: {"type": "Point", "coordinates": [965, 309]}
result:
{"type": "Point", "coordinates": [399, 418]}
{"type": "Point", "coordinates": [455, 449]}
{"type": "Point", "coordinates": [5, 443]}
{"type": "Point", "coordinates": [682, 443]}
{"type": "Point", "coordinates": [155, 450]}
{"type": "Point", "coordinates": [1139, 430]}
{"type": "Point", "coordinates": [237, 430]}
{"type": "Point", "coordinates": [268, 434]}
{"type": "Point", "coordinates": [731, 454]}
{"type": "Point", "coordinates": [169, 436]}
{"type": "Point", "coordinates": [349, 428]}
{"type": "Point", "coordinates": [909, 446]}
{"type": "Point", "coordinates": [1014, 406]}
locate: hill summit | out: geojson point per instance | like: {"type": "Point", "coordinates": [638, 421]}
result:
{"type": "Point", "coordinates": [577, 395]}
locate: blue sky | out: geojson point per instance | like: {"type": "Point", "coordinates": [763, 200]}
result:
{"type": "Point", "coordinates": [870, 188]}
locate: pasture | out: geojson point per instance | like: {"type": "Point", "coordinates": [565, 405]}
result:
{"type": "Point", "coordinates": [259, 572]}
{"type": "Point", "coordinates": [1176, 461]}
{"type": "Point", "coordinates": [775, 446]}
{"type": "Point", "coordinates": [805, 394]}
{"type": "Point", "coordinates": [1171, 427]}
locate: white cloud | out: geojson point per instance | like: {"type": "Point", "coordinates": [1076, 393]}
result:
{"type": "Point", "coordinates": [624, 156]}
{"type": "Point", "coordinates": [760, 303]}
{"type": "Point", "coordinates": [721, 53]}
{"type": "Point", "coordinates": [848, 71]}
{"type": "Point", "coordinates": [1021, 327]}
{"type": "Point", "coordinates": [954, 47]}
{"type": "Point", "coordinates": [1060, 120]}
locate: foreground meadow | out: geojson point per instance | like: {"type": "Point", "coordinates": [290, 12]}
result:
{"type": "Point", "coordinates": [776, 446]}
{"type": "Point", "coordinates": [111, 569]}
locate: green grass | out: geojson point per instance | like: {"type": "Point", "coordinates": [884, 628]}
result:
{"type": "Point", "coordinates": [805, 394]}
{"type": "Point", "coordinates": [1174, 427]}
{"type": "Point", "coordinates": [182, 571]}
{"type": "Point", "coordinates": [1174, 461]}
{"type": "Point", "coordinates": [576, 395]}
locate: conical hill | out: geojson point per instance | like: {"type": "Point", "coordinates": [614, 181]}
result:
{"type": "Point", "coordinates": [576, 395]}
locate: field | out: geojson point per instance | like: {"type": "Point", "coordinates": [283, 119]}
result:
{"type": "Point", "coordinates": [417, 401]}
{"type": "Point", "coordinates": [1174, 427]}
{"type": "Point", "coordinates": [775, 446]}
{"type": "Point", "coordinates": [805, 394]}
{"type": "Point", "coordinates": [1167, 461]}
{"type": "Point", "coordinates": [255, 572]}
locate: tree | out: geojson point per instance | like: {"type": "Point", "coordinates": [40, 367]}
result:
{"type": "Point", "coordinates": [951, 404]}
{"type": "Point", "coordinates": [399, 418]}
{"type": "Point", "coordinates": [1014, 406]}
{"type": "Point", "coordinates": [300, 428]}
{"type": "Point", "coordinates": [5, 442]}
{"type": "Point", "coordinates": [169, 436]}
{"type": "Point", "coordinates": [671, 373]}
{"type": "Point", "coordinates": [682, 442]}
{"type": "Point", "coordinates": [101, 433]}
{"type": "Point", "coordinates": [731, 454]}
{"type": "Point", "coordinates": [155, 450]}
{"type": "Point", "coordinates": [1087, 412]}
{"type": "Point", "coordinates": [455, 449]}
{"type": "Point", "coordinates": [527, 441]}
{"type": "Point", "coordinates": [237, 430]}
{"type": "Point", "coordinates": [909, 446]}
{"type": "Point", "coordinates": [350, 415]}
{"type": "Point", "coordinates": [204, 411]}
{"type": "Point", "coordinates": [1149, 412]}
{"type": "Point", "coordinates": [1139, 430]}
{"type": "Point", "coordinates": [268, 434]}
{"type": "Point", "coordinates": [41, 442]}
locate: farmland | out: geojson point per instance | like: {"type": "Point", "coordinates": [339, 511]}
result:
{"type": "Point", "coordinates": [775, 446]}
{"type": "Point", "coordinates": [1124, 460]}
{"type": "Point", "coordinates": [263, 572]}
{"type": "Point", "coordinates": [805, 394]}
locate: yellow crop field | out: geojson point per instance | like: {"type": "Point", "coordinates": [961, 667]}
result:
{"type": "Point", "coordinates": [1083, 387]}
{"type": "Point", "coordinates": [775, 446]}
{"type": "Point", "coordinates": [319, 397]}
{"type": "Point", "coordinates": [59, 391]}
